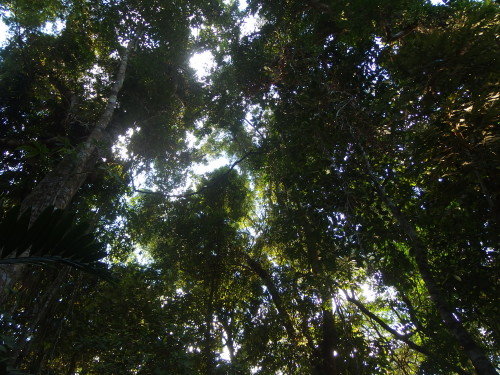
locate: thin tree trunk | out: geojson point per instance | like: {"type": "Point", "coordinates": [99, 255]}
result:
{"type": "Point", "coordinates": [58, 187]}
{"type": "Point", "coordinates": [226, 324]}
{"type": "Point", "coordinates": [208, 341]}
{"type": "Point", "coordinates": [273, 291]}
{"type": "Point", "coordinates": [473, 351]}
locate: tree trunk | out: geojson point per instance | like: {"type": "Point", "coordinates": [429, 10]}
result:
{"type": "Point", "coordinates": [208, 364]}
{"type": "Point", "coordinates": [327, 364]}
{"type": "Point", "coordinates": [473, 351]}
{"type": "Point", "coordinates": [275, 295]}
{"type": "Point", "coordinates": [226, 324]}
{"type": "Point", "coordinates": [58, 187]}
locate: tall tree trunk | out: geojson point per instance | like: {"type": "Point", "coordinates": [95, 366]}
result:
{"type": "Point", "coordinates": [327, 345]}
{"type": "Point", "coordinates": [473, 351]}
{"type": "Point", "coordinates": [58, 187]}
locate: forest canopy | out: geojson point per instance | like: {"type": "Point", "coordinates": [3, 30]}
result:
{"type": "Point", "coordinates": [354, 225]}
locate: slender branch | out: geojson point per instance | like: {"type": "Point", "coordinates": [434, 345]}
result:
{"type": "Point", "coordinates": [254, 128]}
{"type": "Point", "coordinates": [402, 337]}
{"type": "Point", "coordinates": [394, 37]}
{"type": "Point", "coordinates": [412, 312]}
{"type": "Point", "coordinates": [266, 278]}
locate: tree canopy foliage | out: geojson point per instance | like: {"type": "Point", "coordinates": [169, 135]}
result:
{"type": "Point", "coordinates": [354, 230]}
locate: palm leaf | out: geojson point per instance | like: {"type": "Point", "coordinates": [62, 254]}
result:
{"type": "Point", "coordinates": [53, 237]}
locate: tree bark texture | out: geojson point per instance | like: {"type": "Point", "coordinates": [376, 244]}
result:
{"type": "Point", "coordinates": [59, 186]}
